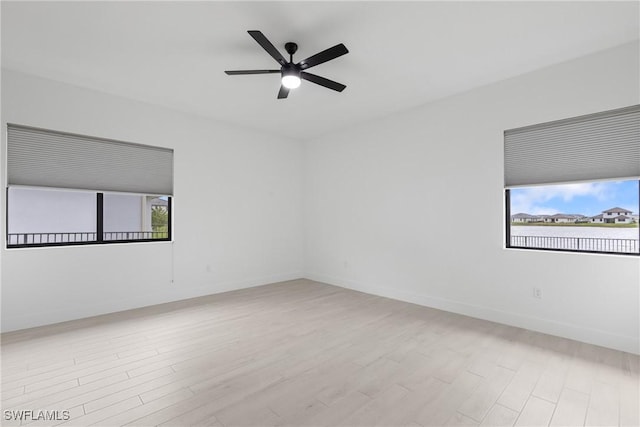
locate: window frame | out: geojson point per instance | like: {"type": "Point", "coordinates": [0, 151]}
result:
{"type": "Point", "coordinates": [508, 245]}
{"type": "Point", "coordinates": [99, 228]}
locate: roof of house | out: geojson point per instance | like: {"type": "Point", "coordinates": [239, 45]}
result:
{"type": "Point", "coordinates": [562, 216]}
{"type": "Point", "coordinates": [159, 202]}
{"type": "Point", "coordinates": [524, 215]}
{"type": "Point", "coordinates": [622, 217]}
{"type": "Point", "coordinates": [615, 210]}
{"type": "Point", "coordinates": [597, 216]}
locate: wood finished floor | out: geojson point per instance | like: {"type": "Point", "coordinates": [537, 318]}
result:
{"type": "Point", "coordinates": [302, 353]}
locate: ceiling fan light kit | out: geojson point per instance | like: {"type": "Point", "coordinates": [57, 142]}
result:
{"type": "Point", "coordinates": [291, 78]}
{"type": "Point", "coordinates": [292, 73]}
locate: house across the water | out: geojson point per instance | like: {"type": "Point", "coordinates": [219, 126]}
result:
{"type": "Point", "coordinates": [614, 216]}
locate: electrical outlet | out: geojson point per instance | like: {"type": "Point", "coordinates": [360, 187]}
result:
{"type": "Point", "coordinates": [537, 293]}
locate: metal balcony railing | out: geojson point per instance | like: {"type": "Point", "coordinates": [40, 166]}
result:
{"type": "Point", "coordinates": [587, 244]}
{"type": "Point", "coordinates": [43, 239]}
{"type": "Point", "coordinates": [134, 235]}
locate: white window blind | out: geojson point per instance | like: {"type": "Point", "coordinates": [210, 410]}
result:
{"type": "Point", "coordinates": [587, 148]}
{"type": "Point", "coordinates": [44, 158]}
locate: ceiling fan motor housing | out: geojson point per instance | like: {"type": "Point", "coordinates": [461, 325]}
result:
{"type": "Point", "coordinates": [291, 48]}
{"type": "Point", "coordinates": [290, 70]}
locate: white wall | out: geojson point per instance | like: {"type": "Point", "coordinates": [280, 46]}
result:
{"type": "Point", "coordinates": [48, 211]}
{"type": "Point", "coordinates": [374, 199]}
{"type": "Point", "coordinates": [34, 210]}
{"type": "Point", "coordinates": [122, 212]}
{"type": "Point", "coordinates": [377, 196]}
{"type": "Point", "coordinates": [237, 211]}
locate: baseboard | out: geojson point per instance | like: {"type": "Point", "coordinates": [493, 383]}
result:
{"type": "Point", "coordinates": [565, 330]}
{"type": "Point", "coordinates": [173, 294]}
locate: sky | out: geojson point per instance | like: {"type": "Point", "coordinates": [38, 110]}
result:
{"type": "Point", "coordinates": [588, 199]}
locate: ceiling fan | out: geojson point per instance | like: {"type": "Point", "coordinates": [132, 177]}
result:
{"type": "Point", "coordinates": [293, 73]}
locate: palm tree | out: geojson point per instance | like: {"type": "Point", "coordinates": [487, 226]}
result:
{"type": "Point", "coordinates": [159, 218]}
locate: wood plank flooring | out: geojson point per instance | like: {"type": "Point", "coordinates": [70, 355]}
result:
{"type": "Point", "coordinates": [302, 353]}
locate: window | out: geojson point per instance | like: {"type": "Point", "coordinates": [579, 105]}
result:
{"type": "Point", "coordinates": [58, 217]}
{"type": "Point", "coordinates": [42, 216]}
{"type": "Point", "coordinates": [572, 185]}
{"type": "Point", "coordinates": [589, 217]}
{"type": "Point", "coordinates": [132, 217]}
{"type": "Point", "coordinates": [67, 189]}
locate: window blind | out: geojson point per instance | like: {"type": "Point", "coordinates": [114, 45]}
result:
{"type": "Point", "coordinates": [44, 158]}
{"type": "Point", "coordinates": [587, 148]}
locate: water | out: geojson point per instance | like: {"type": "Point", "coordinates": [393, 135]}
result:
{"type": "Point", "coordinates": [575, 231]}
{"type": "Point", "coordinates": [589, 239]}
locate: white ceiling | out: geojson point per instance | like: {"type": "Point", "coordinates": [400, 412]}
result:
{"type": "Point", "coordinates": [402, 54]}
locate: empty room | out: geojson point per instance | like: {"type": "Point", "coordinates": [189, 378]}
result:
{"type": "Point", "coordinates": [320, 213]}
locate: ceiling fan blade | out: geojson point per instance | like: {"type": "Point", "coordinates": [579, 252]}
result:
{"type": "Point", "coordinates": [266, 45]}
{"type": "Point", "coordinates": [283, 93]}
{"type": "Point", "coordinates": [240, 72]}
{"type": "Point", "coordinates": [322, 81]}
{"type": "Point", "coordinates": [324, 56]}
